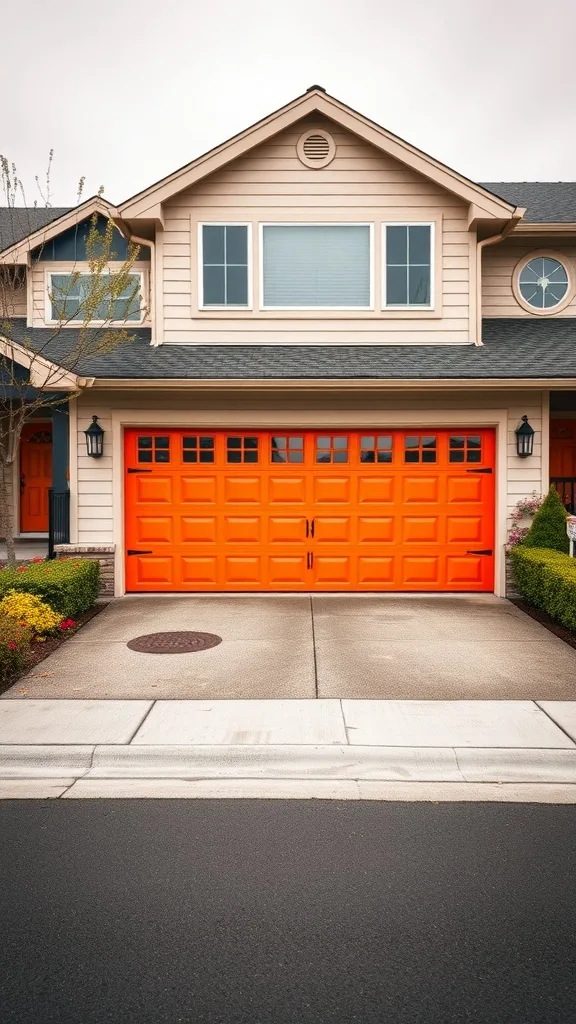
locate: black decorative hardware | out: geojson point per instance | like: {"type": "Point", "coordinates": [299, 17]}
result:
{"type": "Point", "coordinates": [138, 470]}
{"type": "Point", "coordinates": [136, 551]}
{"type": "Point", "coordinates": [487, 470]}
{"type": "Point", "coordinates": [483, 551]}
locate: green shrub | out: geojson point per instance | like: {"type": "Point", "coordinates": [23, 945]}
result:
{"type": "Point", "coordinates": [548, 528]}
{"type": "Point", "coordinates": [547, 579]}
{"type": "Point", "coordinates": [70, 586]}
{"type": "Point", "coordinates": [14, 647]}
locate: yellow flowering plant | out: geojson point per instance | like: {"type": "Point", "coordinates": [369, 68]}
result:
{"type": "Point", "coordinates": [30, 612]}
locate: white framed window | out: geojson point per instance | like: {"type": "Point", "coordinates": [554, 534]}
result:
{"type": "Point", "coordinates": [68, 292]}
{"type": "Point", "coordinates": [408, 265]}
{"type": "Point", "coordinates": [316, 266]}
{"type": "Point", "coordinates": [224, 266]}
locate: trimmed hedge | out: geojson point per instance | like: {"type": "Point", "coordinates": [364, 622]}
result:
{"type": "Point", "coordinates": [14, 647]}
{"type": "Point", "coordinates": [548, 529]}
{"type": "Point", "coordinates": [68, 585]}
{"type": "Point", "coordinates": [547, 580]}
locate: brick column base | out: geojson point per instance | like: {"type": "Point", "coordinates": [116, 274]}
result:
{"type": "Point", "coordinates": [103, 553]}
{"type": "Point", "coordinates": [510, 584]}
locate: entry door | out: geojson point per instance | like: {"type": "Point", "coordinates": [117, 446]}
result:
{"type": "Point", "coordinates": [35, 477]}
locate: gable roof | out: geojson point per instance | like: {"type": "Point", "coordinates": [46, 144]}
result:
{"type": "Point", "coordinates": [48, 228]}
{"type": "Point", "coordinates": [546, 202]}
{"type": "Point", "coordinates": [17, 222]}
{"type": "Point", "coordinates": [317, 100]}
{"type": "Point", "coordinates": [515, 349]}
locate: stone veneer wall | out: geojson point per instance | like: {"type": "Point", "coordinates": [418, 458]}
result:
{"type": "Point", "coordinates": [510, 584]}
{"type": "Point", "coordinates": [104, 553]}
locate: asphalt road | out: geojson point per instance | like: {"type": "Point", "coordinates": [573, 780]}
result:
{"type": "Point", "coordinates": [241, 912]}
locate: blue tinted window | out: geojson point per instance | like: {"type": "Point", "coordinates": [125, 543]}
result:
{"type": "Point", "coordinates": [225, 265]}
{"type": "Point", "coordinates": [408, 270]}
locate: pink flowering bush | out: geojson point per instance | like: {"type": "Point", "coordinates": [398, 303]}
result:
{"type": "Point", "coordinates": [525, 509]}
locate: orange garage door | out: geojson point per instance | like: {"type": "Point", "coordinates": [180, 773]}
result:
{"type": "Point", "coordinates": [335, 510]}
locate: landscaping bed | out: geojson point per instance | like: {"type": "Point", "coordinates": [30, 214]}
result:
{"type": "Point", "coordinates": [42, 603]}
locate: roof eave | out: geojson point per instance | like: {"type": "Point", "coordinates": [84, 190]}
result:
{"type": "Point", "coordinates": [18, 252]}
{"type": "Point", "coordinates": [330, 384]}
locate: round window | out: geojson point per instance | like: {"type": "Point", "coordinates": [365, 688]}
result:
{"type": "Point", "coordinates": [543, 282]}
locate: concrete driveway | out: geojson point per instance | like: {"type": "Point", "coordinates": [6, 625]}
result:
{"type": "Point", "coordinates": [362, 646]}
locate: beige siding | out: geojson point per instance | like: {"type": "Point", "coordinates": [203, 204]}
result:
{"type": "Point", "coordinates": [498, 263]}
{"type": "Point", "coordinates": [96, 498]}
{"type": "Point", "coordinates": [270, 184]}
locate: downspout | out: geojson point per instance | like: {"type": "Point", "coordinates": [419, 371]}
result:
{"type": "Point", "coordinates": [480, 246]}
{"type": "Point", "coordinates": [151, 284]}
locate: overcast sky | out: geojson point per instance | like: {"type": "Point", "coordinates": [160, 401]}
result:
{"type": "Point", "coordinates": [126, 91]}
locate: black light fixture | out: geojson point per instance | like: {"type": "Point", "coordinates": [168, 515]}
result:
{"type": "Point", "coordinates": [94, 439]}
{"type": "Point", "coordinates": [525, 439]}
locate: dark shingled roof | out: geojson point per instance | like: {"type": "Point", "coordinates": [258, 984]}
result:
{"type": "Point", "coordinates": [546, 202]}
{"type": "Point", "coordinates": [513, 348]}
{"type": "Point", "coordinates": [18, 222]}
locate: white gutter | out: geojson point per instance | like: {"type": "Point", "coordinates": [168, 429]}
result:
{"type": "Point", "coordinates": [514, 220]}
{"type": "Point", "coordinates": [345, 384]}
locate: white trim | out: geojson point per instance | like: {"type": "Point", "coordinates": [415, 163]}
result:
{"type": "Point", "coordinates": [565, 262]}
{"type": "Point", "coordinates": [200, 262]}
{"type": "Point", "coordinates": [290, 420]}
{"type": "Point", "coordinates": [430, 306]}
{"type": "Point", "coordinates": [545, 442]}
{"type": "Point", "coordinates": [69, 269]}
{"type": "Point", "coordinates": [313, 224]}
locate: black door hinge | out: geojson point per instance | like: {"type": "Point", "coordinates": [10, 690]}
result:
{"type": "Point", "coordinates": [487, 470]}
{"type": "Point", "coordinates": [138, 470]}
{"type": "Point", "coordinates": [483, 551]}
{"type": "Point", "coordinates": [136, 551]}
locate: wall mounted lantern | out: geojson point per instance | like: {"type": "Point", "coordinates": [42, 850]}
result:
{"type": "Point", "coordinates": [524, 439]}
{"type": "Point", "coordinates": [94, 439]}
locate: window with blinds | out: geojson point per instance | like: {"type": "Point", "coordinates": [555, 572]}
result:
{"type": "Point", "coordinates": [316, 266]}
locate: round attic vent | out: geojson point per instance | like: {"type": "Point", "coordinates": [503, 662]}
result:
{"type": "Point", "coordinates": [316, 149]}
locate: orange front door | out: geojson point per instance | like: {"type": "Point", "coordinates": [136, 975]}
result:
{"type": "Point", "coordinates": [35, 477]}
{"type": "Point", "coordinates": [325, 510]}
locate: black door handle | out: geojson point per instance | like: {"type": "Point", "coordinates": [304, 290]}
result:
{"type": "Point", "coordinates": [312, 528]}
{"type": "Point", "coordinates": [307, 528]}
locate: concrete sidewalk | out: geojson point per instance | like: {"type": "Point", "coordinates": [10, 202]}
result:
{"type": "Point", "coordinates": [338, 749]}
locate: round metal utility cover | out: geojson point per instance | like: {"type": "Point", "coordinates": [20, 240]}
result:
{"type": "Point", "coordinates": [177, 642]}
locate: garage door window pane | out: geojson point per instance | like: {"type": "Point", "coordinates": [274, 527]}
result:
{"type": "Point", "coordinates": [287, 449]}
{"type": "Point", "coordinates": [197, 449]}
{"type": "Point", "coordinates": [420, 448]}
{"type": "Point", "coordinates": [465, 448]}
{"type": "Point", "coordinates": [241, 449]}
{"type": "Point", "coordinates": [332, 449]}
{"type": "Point", "coordinates": [376, 448]}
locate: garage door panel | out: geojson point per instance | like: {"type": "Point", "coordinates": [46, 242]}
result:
{"type": "Point", "coordinates": [421, 489]}
{"type": "Point", "coordinates": [287, 570]}
{"type": "Point", "coordinates": [376, 529]}
{"type": "Point", "coordinates": [376, 570]}
{"type": "Point", "coordinates": [242, 490]}
{"type": "Point", "coordinates": [157, 490]}
{"type": "Point", "coordinates": [287, 529]}
{"type": "Point", "coordinates": [199, 570]}
{"type": "Point", "coordinates": [421, 529]}
{"type": "Point", "coordinates": [333, 529]}
{"type": "Point", "coordinates": [376, 490]}
{"type": "Point", "coordinates": [462, 570]}
{"type": "Point", "coordinates": [421, 569]}
{"type": "Point", "coordinates": [380, 510]}
{"type": "Point", "coordinates": [198, 529]}
{"type": "Point", "coordinates": [242, 530]}
{"type": "Point", "coordinates": [287, 490]}
{"type": "Point", "coordinates": [155, 530]}
{"type": "Point", "coordinates": [461, 529]}
{"type": "Point", "coordinates": [198, 490]}
{"type": "Point", "coordinates": [332, 489]}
